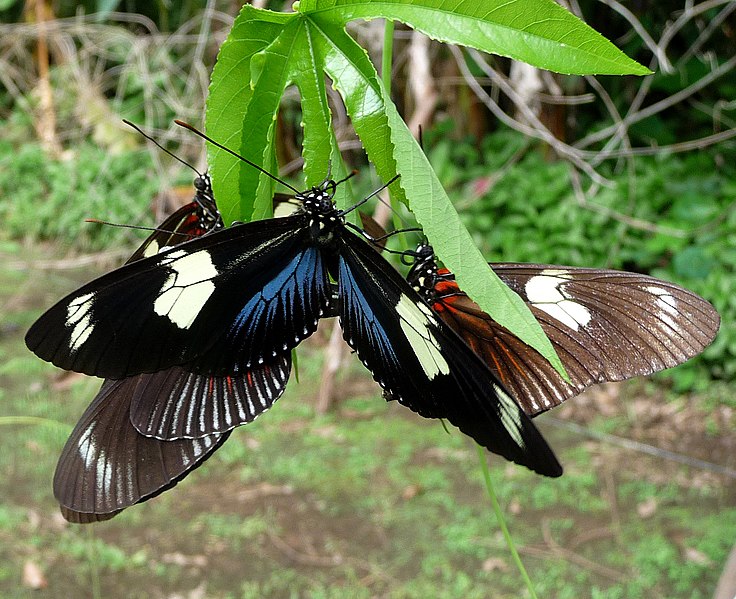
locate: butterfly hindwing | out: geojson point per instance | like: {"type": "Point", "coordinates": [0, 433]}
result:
{"type": "Point", "coordinates": [176, 403]}
{"type": "Point", "coordinates": [422, 363]}
{"type": "Point", "coordinates": [255, 291]}
{"type": "Point", "coordinates": [107, 465]}
{"type": "Point", "coordinates": [605, 325]}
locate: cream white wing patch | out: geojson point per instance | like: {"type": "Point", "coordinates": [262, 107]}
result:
{"type": "Point", "coordinates": [667, 303]}
{"type": "Point", "coordinates": [546, 291]}
{"type": "Point", "coordinates": [79, 316]}
{"type": "Point", "coordinates": [510, 415]}
{"type": "Point", "coordinates": [151, 249]}
{"type": "Point", "coordinates": [415, 320]}
{"type": "Point", "coordinates": [188, 287]}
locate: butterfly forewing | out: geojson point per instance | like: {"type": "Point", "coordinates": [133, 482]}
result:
{"type": "Point", "coordinates": [420, 361]}
{"type": "Point", "coordinates": [605, 326]}
{"type": "Point", "coordinates": [176, 403]}
{"type": "Point", "coordinates": [106, 465]}
{"type": "Point", "coordinates": [254, 291]}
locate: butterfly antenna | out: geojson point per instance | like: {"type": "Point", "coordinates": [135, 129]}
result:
{"type": "Point", "coordinates": [97, 221]}
{"type": "Point", "coordinates": [151, 139]}
{"type": "Point", "coordinates": [234, 153]}
{"type": "Point", "coordinates": [350, 176]}
{"type": "Point", "coordinates": [365, 199]}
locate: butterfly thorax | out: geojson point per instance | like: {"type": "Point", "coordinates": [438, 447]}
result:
{"type": "Point", "coordinates": [423, 273]}
{"type": "Point", "coordinates": [208, 214]}
{"type": "Point", "coordinates": [325, 218]}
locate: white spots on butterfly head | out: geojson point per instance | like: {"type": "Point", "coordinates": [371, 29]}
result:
{"type": "Point", "coordinates": [546, 291]}
{"type": "Point", "coordinates": [79, 318]}
{"type": "Point", "coordinates": [415, 320]}
{"type": "Point", "coordinates": [188, 287]}
{"type": "Point", "coordinates": [510, 415]}
{"type": "Point", "coordinates": [667, 303]}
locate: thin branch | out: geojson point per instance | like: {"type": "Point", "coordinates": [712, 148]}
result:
{"type": "Point", "coordinates": [690, 12]}
{"type": "Point", "coordinates": [658, 51]}
{"type": "Point", "coordinates": [630, 221]}
{"type": "Point", "coordinates": [705, 35]}
{"type": "Point", "coordinates": [538, 130]}
{"type": "Point", "coordinates": [578, 559]}
{"type": "Point", "coordinates": [657, 107]}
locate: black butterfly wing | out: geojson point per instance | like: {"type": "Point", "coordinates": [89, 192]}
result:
{"type": "Point", "coordinates": [605, 326]}
{"type": "Point", "coordinates": [422, 363]}
{"type": "Point", "coordinates": [177, 403]}
{"type": "Point", "coordinates": [107, 466]}
{"type": "Point", "coordinates": [255, 289]}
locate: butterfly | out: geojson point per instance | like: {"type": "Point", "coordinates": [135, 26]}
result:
{"type": "Point", "coordinates": [605, 325]}
{"type": "Point", "coordinates": [239, 297]}
{"type": "Point", "coordinates": [107, 463]}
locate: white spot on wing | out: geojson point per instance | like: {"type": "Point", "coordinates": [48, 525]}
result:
{"type": "Point", "coordinates": [667, 303]}
{"type": "Point", "coordinates": [547, 293]}
{"type": "Point", "coordinates": [87, 449]}
{"type": "Point", "coordinates": [79, 316]}
{"type": "Point", "coordinates": [187, 289]}
{"type": "Point", "coordinates": [510, 415]}
{"type": "Point", "coordinates": [151, 249]}
{"type": "Point", "coordinates": [415, 324]}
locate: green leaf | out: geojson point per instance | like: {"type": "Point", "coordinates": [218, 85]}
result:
{"type": "Point", "coordinates": [539, 32]}
{"type": "Point", "coordinates": [392, 148]}
{"type": "Point", "coordinates": [227, 107]}
{"type": "Point", "coordinates": [266, 52]}
{"type": "Point", "coordinates": [353, 75]}
{"type": "Point", "coordinates": [320, 145]}
{"type": "Point", "coordinates": [6, 4]}
{"type": "Point", "coordinates": [258, 125]}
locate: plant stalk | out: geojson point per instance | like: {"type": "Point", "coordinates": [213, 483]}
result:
{"type": "Point", "coordinates": [502, 522]}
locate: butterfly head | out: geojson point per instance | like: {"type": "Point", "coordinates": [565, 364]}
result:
{"type": "Point", "coordinates": [317, 201]}
{"type": "Point", "coordinates": [203, 184]}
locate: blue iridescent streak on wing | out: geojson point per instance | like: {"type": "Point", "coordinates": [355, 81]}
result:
{"type": "Point", "coordinates": [295, 298]}
{"type": "Point", "coordinates": [359, 314]}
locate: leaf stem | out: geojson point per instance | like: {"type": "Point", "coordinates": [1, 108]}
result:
{"type": "Point", "coordinates": [502, 521]}
{"type": "Point", "coordinates": [94, 570]}
{"type": "Point", "coordinates": [387, 57]}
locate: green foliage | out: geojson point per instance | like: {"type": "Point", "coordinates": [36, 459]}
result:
{"type": "Point", "coordinates": [50, 199]}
